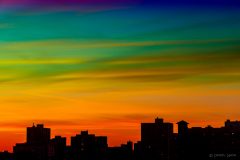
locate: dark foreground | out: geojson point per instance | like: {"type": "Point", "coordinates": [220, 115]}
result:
{"type": "Point", "coordinates": [158, 142]}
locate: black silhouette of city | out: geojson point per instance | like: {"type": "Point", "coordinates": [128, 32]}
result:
{"type": "Point", "coordinates": [158, 142]}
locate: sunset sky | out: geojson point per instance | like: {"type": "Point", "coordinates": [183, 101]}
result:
{"type": "Point", "coordinates": [106, 66]}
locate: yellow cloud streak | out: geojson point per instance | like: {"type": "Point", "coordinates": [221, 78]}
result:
{"type": "Point", "coordinates": [40, 61]}
{"type": "Point", "coordinates": [104, 44]}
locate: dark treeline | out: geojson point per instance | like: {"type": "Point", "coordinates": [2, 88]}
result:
{"type": "Point", "coordinates": [158, 142]}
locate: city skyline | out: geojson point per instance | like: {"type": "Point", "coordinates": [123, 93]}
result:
{"type": "Point", "coordinates": [120, 141]}
{"type": "Point", "coordinates": [76, 64]}
{"type": "Point", "coordinates": [158, 141]}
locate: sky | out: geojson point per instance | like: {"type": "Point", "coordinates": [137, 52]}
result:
{"type": "Point", "coordinates": [106, 66]}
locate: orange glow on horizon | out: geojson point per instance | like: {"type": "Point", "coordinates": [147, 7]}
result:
{"type": "Point", "coordinates": [116, 136]}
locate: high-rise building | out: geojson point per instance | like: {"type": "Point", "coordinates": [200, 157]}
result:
{"type": "Point", "coordinates": [182, 128]}
{"type": "Point", "coordinates": [87, 146]}
{"type": "Point", "coordinates": [182, 141]}
{"type": "Point", "coordinates": [57, 148]}
{"type": "Point", "coordinates": [38, 134]}
{"type": "Point", "coordinates": [208, 142]}
{"type": "Point", "coordinates": [36, 147]}
{"type": "Point", "coordinates": [157, 140]}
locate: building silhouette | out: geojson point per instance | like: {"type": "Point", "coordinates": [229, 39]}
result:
{"type": "Point", "coordinates": [36, 147]}
{"type": "Point", "coordinates": [182, 140]}
{"type": "Point", "coordinates": [39, 146]}
{"type": "Point", "coordinates": [123, 152]}
{"type": "Point", "coordinates": [38, 134]}
{"type": "Point", "coordinates": [208, 143]}
{"type": "Point", "coordinates": [57, 148]}
{"type": "Point", "coordinates": [87, 146]}
{"type": "Point", "coordinates": [5, 155]}
{"type": "Point", "coordinates": [158, 142]}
